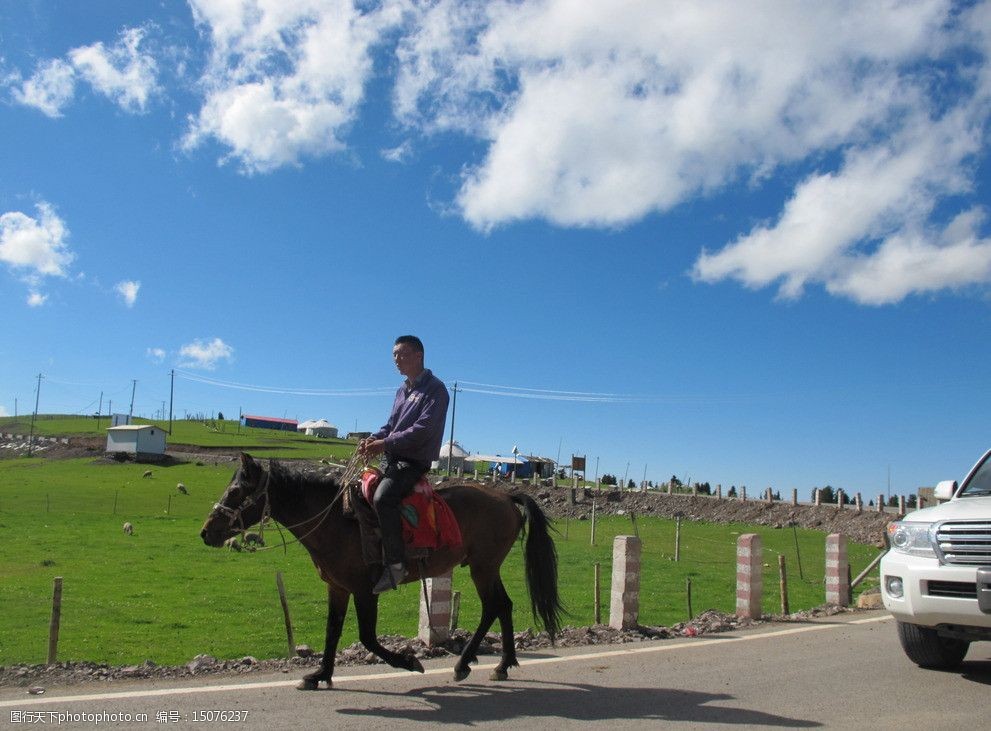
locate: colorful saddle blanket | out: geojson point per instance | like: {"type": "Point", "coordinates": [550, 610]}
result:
{"type": "Point", "coordinates": [428, 521]}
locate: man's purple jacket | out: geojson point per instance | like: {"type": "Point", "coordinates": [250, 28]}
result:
{"type": "Point", "coordinates": [415, 429]}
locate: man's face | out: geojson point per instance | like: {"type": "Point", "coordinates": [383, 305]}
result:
{"type": "Point", "coordinates": [408, 360]}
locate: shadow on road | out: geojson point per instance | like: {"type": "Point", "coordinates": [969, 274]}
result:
{"type": "Point", "coordinates": [977, 671]}
{"type": "Point", "coordinates": [464, 704]}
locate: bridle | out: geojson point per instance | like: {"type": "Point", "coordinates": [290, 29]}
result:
{"type": "Point", "coordinates": [234, 515]}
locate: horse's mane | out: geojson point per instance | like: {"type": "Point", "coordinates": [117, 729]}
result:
{"type": "Point", "coordinates": [295, 482]}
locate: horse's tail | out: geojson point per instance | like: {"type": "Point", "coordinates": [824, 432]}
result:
{"type": "Point", "coordinates": [540, 556]}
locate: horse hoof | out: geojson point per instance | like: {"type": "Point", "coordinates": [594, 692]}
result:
{"type": "Point", "coordinates": [310, 684]}
{"type": "Point", "coordinates": [498, 674]}
{"type": "Point", "coordinates": [460, 674]}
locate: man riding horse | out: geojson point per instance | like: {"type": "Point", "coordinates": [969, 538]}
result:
{"type": "Point", "coordinates": [410, 441]}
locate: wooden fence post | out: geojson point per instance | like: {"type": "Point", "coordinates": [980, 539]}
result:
{"type": "Point", "coordinates": [783, 581]}
{"type": "Point", "coordinates": [285, 613]}
{"type": "Point", "coordinates": [56, 621]}
{"type": "Point", "coordinates": [749, 576]}
{"type": "Point", "coordinates": [624, 605]}
{"type": "Point", "coordinates": [880, 502]}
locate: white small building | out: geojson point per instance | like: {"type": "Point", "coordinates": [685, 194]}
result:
{"type": "Point", "coordinates": [136, 439]}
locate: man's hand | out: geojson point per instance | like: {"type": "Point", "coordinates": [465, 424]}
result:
{"type": "Point", "coordinates": [370, 447]}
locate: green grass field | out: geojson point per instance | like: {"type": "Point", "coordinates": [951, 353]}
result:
{"type": "Point", "coordinates": [161, 594]}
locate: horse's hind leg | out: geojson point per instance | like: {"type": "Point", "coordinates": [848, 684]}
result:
{"type": "Point", "coordinates": [485, 583]}
{"type": "Point", "coordinates": [508, 638]}
{"type": "Point", "coordinates": [337, 607]}
{"type": "Point", "coordinates": [366, 606]}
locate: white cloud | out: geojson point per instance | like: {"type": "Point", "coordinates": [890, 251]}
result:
{"type": "Point", "coordinates": [200, 354]}
{"type": "Point", "coordinates": [156, 354]}
{"type": "Point", "coordinates": [128, 290]}
{"type": "Point", "coordinates": [285, 79]}
{"type": "Point", "coordinates": [599, 114]}
{"type": "Point", "coordinates": [121, 72]}
{"type": "Point", "coordinates": [36, 299]}
{"type": "Point", "coordinates": [399, 154]}
{"type": "Point", "coordinates": [863, 231]}
{"type": "Point", "coordinates": [49, 89]}
{"type": "Point", "coordinates": [35, 246]}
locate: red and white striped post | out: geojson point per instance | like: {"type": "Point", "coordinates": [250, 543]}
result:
{"type": "Point", "coordinates": [837, 570]}
{"type": "Point", "coordinates": [749, 576]}
{"type": "Point", "coordinates": [624, 603]}
{"type": "Point", "coordinates": [435, 624]}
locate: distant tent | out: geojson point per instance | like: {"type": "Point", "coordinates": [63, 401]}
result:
{"type": "Point", "coordinates": [457, 457]}
{"type": "Point", "coordinates": [318, 428]}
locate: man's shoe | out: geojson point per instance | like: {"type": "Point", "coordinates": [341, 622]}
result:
{"type": "Point", "coordinates": [391, 578]}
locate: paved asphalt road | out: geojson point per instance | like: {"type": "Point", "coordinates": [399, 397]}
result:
{"type": "Point", "coordinates": [842, 673]}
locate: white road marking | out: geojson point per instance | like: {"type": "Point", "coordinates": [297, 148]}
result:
{"type": "Point", "coordinates": [340, 679]}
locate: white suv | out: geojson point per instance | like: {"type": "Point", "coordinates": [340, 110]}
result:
{"type": "Point", "coordinates": [936, 579]}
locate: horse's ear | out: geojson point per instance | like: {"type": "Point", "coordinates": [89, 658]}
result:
{"type": "Point", "coordinates": [246, 460]}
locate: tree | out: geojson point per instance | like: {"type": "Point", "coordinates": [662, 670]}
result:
{"type": "Point", "coordinates": [608, 479]}
{"type": "Point", "coordinates": [631, 485]}
{"type": "Point", "coordinates": [675, 482]}
{"type": "Point", "coordinates": [220, 416]}
{"type": "Point", "coordinates": [826, 494]}
{"type": "Point", "coordinates": [732, 491]}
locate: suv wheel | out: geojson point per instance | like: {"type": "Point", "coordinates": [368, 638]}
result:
{"type": "Point", "coordinates": [927, 649]}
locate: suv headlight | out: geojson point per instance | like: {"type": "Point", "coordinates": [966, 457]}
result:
{"type": "Point", "coordinates": [911, 538]}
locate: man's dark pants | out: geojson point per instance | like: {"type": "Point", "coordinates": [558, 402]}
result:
{"type": "Point", "coordinates": [398, 480]}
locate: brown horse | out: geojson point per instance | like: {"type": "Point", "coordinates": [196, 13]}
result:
{"type": "Point", "coordinates": [310, 507]}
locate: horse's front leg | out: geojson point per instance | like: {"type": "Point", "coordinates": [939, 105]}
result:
{"type": "Point", "coordinates": [337, 607]}
{"type": "Point", "coordinates": [366, 605]}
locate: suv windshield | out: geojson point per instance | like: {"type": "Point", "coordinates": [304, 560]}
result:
{"type": "Point", "coordinates": [980, 483]}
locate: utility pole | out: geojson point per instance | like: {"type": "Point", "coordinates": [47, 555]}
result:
{"type": "Point", "coordinates": [171, 394]}
{"type": "Point", "coordinates": [134, 387]}
{"type": "Point", "coordinates": [99, 412]}
{"type": "Point", "coordinates": [37, 397]}
{"type": "Point", "coordinates": [450, 444]}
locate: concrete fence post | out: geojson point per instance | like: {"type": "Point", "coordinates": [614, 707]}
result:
{"type": "Point", "coordinates": [743, 494]}
{"type": "Point", "coordinates": [880, 502]}
{"type": "Point", "coordinates": [719, 492]}
{"type": "Point", "coordinates": [901, 505]}
{"type": "Point", "coordinates": [858, 501]}
{"type": "Point", "coordinates": [818, 497]}
{"type": "Point", "coordinates": [794, 496]}
{"type": "Point", "coordinates": [769, 495]}
{"type": "Point", "coordinates": [624, 604]}
{"type": "Point", "coordinates": [435, 625]}
{"type": "Point", "coordinates": [749, 576]}
{"type": "Point", "coordinates": [837, 570]}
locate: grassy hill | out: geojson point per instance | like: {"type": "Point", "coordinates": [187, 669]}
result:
{"type": "Point", "coordinates": [212, 434]}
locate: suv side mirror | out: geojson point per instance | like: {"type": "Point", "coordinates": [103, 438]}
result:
{"type": "Point", "coordinates": [945, 489]}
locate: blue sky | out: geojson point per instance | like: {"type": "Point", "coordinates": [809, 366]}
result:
{"type": "Point", "coordinates": [745, 244]}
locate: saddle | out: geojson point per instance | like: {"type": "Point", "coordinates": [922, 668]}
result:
{"type": "Point", "coordinates": [427, 521]}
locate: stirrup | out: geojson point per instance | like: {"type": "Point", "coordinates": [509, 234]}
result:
{"type": "Point", "coordinates": [391, 578]}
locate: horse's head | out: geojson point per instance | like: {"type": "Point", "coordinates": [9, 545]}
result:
{"type": "Point", "coordinates": [244, 503]}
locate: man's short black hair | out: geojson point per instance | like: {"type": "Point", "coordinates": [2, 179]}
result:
{"type": "Point", "coordinates": [410, 340]}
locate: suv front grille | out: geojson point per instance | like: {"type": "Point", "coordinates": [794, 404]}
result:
{"type": "Point", "coordinates": [964, 543]}
{"type": "Point", "coordinates": [952, 589]}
